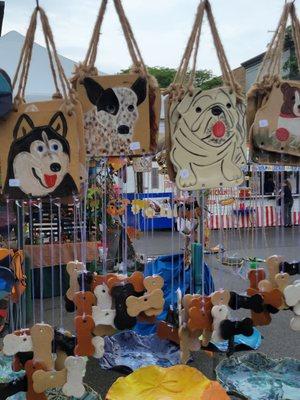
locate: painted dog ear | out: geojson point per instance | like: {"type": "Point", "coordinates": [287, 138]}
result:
{"type": "Point", "coordinates": [93, 90]}
{"type": "Point", "coordinates": [23, 126]}
{"type": "Point", "coordinates": [59, 124]}
{"type": "Point", "coordinates": [140, 89]}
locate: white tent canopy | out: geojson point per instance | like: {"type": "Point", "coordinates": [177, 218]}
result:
{"type": "Point", "coordinates": [40, 82]}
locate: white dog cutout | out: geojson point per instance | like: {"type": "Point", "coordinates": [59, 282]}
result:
{"type": "Point", "coordinates": [209, 140]}
{"type": "Point", "coordinates": [219, 313]}
{"type": "Point", "coordinates": [76, 371]}
{"type": "Point", "coordinates": [13, 344]}
{"type": "Point", "coordinates": [103, 317]}
{"type": "Point", "coordinates": [104, 299]}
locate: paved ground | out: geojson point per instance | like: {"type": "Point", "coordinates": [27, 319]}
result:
{"type": "Point", "coordinates": [279, 340]}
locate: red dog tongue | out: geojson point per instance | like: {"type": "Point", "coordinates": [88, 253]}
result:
{"type": "Point", "coordinates": [50, 180]}
{"type": "Point", "coordinates": [219, 129]}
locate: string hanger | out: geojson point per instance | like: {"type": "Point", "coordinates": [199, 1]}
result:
{"type": "Point", "coordinates": [37, 3]}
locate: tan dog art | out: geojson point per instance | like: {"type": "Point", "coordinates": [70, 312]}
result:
{"type": "Point", "coordinates": [209, 140]}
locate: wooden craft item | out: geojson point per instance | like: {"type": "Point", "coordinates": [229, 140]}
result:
{"type": "Point", "coordinates": [84, 326]}
{"type": "Point", "coordinates": [104, 299]}
{"type": "Point", "coordinates": [104, 330]}
{"type": "Point", "coordinates": [136, 279]}
{"type": "Point", "coordinates": [85, 280]}
{"type": "Point", "coordinates": [101, 279]}
{"type": "Point", "coordinates": [73, 268]}
{"type": "Point", "coordinates": [200, 314]}
{"type": "Point", "coordinates": [98, 343]}
{"type": "Point", "coordinates": [16, 342]}
{"type": "Point", "coordinates": [295, 323]}
{"type": "Point", "coordinates": [219, 313]}
{"type": "Point", "coordinates": [255, 276]}
{"type": "Point", "coordinates": [277, 123]}
{"type": "Point", "coordinates": [282, 280]}
{"type": "Point", "coordinates": [75, 367]}
{"type": "Point", "coordinates": [220, 297]}
{"type": "Point", "coordinates": [228, 328]}
{"type": "Point", "coordinates": [84, 301]}
{"type": "Point", "coordinates": [151, 303]}
{"type": "Point", "coordinates": [273, 298]}
{"type": "Point", "coordinates": [211, 128]}
{"type": "Point", "coordinates": [31, 367]}
{"type": "Point", "coordinates": [265, 286]}
{"type": "Point", "coordinates": [184, 339]}
{"type": "Point", "coordinates": [142, 317]}
{"type": "Point", "coordinates": [20, 359]}
{"type": "Point", "coordinates": [290, 268]}
{"type": "Point", "coordinates": [292, 294]}
{"type": "Point", "coordinates": [42, 137]}
{"type": "Point", "coordinates": [153, 282]}
{"type": "Point", "coordinates": [103, 317]}
{"type": "Point", "coordinates": [42, 336]}
{"type": "Point", "coordinates": [166, 331]}
{"type": "Point", "coordinates": [254, 303]}
{"type": "Point", "coordinates": [120, 293]}
{"type": "Point", "coordinates": [45, 380]}
{"type": "Point", "coordinates": [121, 124]}
{"type": "Point", "coordinates": [273, 263]}
{"type": "Point", "coordinates": [60, 360]}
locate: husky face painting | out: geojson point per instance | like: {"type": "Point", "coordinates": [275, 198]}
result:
{"type": "Point", "coordinates": [208, 140]}
{"type": "Point", "coordinates": [111, 122]}
{"type": "Point", "coordinates": [39, 159]}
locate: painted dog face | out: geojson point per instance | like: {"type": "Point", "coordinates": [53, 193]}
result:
{"type": "Point", "coordinates": [291, 100]}
{"type": "Point", "coordinates": [39, 156]}
{"type": "Point", "coordinates": [117, 108]}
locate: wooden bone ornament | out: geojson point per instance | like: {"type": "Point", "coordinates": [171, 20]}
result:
{"type": "Point", "coordinates": [84, 326]}
{"type": "Point", "coordinates": [16, 342]}
{"type": "Point", "coordinates": [120, 293]}
{"type": "Point", "coordinates": [31, 367]}
{"type": "Point", "coordinates": [103, 314]}
{"type": "Point", "coordinates": [292, 299]}
{"type": "Point", "coordinates": [42, 336]}
{"type": "Point", "coordinates": [75, 367]}
{"type": "Point", "coordinates": [152, 302]}
{"type": "Point", "coordinates": [219, 314]}
{"type": "Point", "coordinates": [45, 380]}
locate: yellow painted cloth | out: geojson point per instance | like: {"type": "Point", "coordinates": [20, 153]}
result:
{"type": "Point", "coordinates": [179, 382]}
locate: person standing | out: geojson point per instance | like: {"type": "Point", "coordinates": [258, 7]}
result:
{"type": "Point", "coordinates": [288, 201]}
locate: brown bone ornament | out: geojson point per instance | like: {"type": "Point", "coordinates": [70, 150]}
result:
{"type": "Point", "coordinates": [42, 336]}
{"type": "Point", "coordinates": [273, 264]}
{"type": "Point", "coordinates": [136, 279]}
{"type": "Point", "coordinates": [220, 297]}
{"type": "Point", "coordinates": [84, 326]}
{"type": "Point", "coordinates": [73, 268]}
{"type": "Point", "coordinates": [84, 302]}
{"type": "Point", "coordinates": [255, 276]}
{"type": "Point", "coordinates": [31, 367]}
{"type": "Point", "coordinates": [166, 331]}
{"type": "Point", "coordinates": [44, 380]}
{"type": "Point", "coordinates": [151, 303]}
{"type": "Point", "coordinates": [200, 314]}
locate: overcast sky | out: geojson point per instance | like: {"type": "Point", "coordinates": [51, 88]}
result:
{"type": "Point", "coordinates": [161, 28]}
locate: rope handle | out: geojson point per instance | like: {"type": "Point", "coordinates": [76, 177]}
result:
{"type": "Point", "coordinates": [22, 71]}
{"type": "Point", "coordinates": [184, 80]}
{"type": "Point", "coordinates": [271, 65]}
{"type": "Point", "coordinates": [88, 65]}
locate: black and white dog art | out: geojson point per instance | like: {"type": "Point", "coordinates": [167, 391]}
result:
{"type": "Point", "coordinates": [39, 160]}
{"type": "Point", "coordinates": [110, 124]}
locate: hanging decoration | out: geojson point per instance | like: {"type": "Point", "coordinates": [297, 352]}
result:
{"type": "Point", "coordinates": [42, 142]}
{"type": "Point", "coordinates": [205, 130]}
{"type": "Point", "coordinates": [121, 112]}
{"type": "Point", "coordinates": [272, 113]}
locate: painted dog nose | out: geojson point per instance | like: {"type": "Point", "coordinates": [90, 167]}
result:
{"type": "Point", "coordinates": [55, 167]}
{"type": "Point", "coordinates": [123, 129]}
{"type": "Point", "coordinates": [216, 110]}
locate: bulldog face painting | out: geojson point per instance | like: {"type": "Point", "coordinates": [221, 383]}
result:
{"type": "Point", "coordinates": [39, 160]}
{"type": "Point", "coordinates": [209, 140]}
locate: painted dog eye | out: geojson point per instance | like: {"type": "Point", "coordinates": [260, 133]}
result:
{"type": "Point", "coordinates": [54, 147]}
{"type": "Point", "coordinates": [130, 108]}
{"type": "Point", "coordinates": [198, 110]}
{"type": "Point", "coordinates": [228, 105]}
{"type": "Point", "coordinates": [110, 108]}
{"type": "Point", "coordinates": [40, 148]}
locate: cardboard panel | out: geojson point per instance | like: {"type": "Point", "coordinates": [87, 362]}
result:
{"type": "Point", "coordinates": [208, 144]}
{"type": "Point", "coordinates": [116, 114]}
{"type": "Point", "coordinates": [42, 151]}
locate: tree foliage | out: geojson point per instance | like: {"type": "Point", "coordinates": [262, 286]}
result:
{"type": "Point", "coordinates": [165, 76]}
{"type": "Point", "coordinates": [290, 67]}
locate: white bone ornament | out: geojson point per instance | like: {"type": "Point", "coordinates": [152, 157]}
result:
{"type": "Point", "coordinates": [295, 323]}
{"type": "Point", "coordinates": [75, 372]}
{"type": "Point", "coordinates": [13, 344]}
{"type": "Point", "coordinates": [219, 313]}
{"type": "Point", "coordinates": [292, 294]}
{"type": "Point", "coordinates": [104, 299]}
{"type": "Point", "coordinates": [103, 317]}
{"type": "Point", "coordinates": [98, 343]}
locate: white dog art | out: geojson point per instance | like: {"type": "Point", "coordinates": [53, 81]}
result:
{"type": "Point", "coordinates": [208, 140]}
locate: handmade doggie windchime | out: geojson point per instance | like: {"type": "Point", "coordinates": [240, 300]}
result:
{"type": "Point", "coordinates": [121, 112]}
{"type": "Point", "coordinates": [205, 129]}
{"type": "Point", "coordinates": [273, 111]}
{"type": "Point", "coordinates": [42, 151]}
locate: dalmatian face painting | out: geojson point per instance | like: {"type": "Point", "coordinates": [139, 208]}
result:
{"type": "Point", "coordinates": [114, 115]}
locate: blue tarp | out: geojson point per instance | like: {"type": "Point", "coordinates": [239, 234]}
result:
{"type": "Point", "coordinates": [171, 268]}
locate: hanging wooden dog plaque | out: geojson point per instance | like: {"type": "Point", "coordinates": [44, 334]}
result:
{"type": "Point", "coordinates": [206, 129]}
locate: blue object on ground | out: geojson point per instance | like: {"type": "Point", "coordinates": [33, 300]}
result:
{"type": "Point", "coordinates": [171, 269]}
{"type": "Point", "coordinates": [258, 377]}
{"type": "Point", "coordinates": [253, 341]}
{"type": "Point", "coordinates": [133, 351]}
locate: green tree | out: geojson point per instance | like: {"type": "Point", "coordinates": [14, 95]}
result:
{"type": "Point", "coordinates": [290, 67]}
{"type": "Point", "coordinates": [165, 76]}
